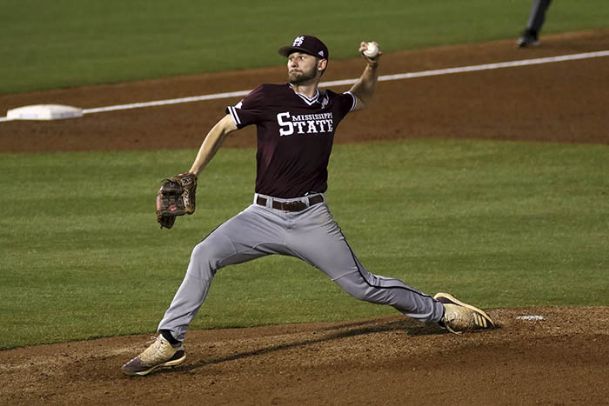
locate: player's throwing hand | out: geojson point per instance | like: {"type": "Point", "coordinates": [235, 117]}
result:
{"type": "Point", "coordinates": [370, 51]}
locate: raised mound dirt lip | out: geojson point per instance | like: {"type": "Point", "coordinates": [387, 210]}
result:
{"type": "Point", "coordinates": [562, 359]}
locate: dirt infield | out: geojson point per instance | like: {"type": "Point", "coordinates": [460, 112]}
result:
{"type": "Point", "coordinates": [562, 101]}
{"type": "Point", "coordinates": [561, 359]}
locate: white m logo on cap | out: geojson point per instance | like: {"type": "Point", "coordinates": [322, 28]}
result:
{"type": "Point", "coordinates": [298, 41]}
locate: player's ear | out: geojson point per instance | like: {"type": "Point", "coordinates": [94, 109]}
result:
{"type": "Point", "coordinates": [322, 64]}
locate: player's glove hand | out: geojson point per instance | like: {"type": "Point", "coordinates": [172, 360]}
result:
{"type": "Point", "coordinates": [176, 197]}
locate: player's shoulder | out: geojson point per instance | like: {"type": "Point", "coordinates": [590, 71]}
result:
{"type": "Point", "coordinates": [344, 98]}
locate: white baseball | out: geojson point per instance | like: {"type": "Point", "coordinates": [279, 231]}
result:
{"type": "Point", "coordinates": [372, 50]}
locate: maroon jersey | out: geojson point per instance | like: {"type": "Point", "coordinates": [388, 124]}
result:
{"type": "Point", "coordinates": [295, 136]}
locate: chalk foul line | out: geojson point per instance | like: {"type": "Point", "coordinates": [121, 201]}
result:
{"type": "Point", "coordinates": [383, 78]}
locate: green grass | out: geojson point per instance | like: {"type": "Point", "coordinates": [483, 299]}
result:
{"type": "Point", "coordinates": [503, 224]}
{"type": "Point", "coordinates": [64, 43]}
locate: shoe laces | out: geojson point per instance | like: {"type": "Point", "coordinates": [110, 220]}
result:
{"type": "Point", "coordinates": [160, 349]}
{"type": "Point", "coordinates": [463, 319]}
{"type": "Point", "coordinates": [448, 319]}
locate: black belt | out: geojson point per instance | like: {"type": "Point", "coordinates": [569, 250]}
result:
{"type": "Point", "coordinates": [296, 205]}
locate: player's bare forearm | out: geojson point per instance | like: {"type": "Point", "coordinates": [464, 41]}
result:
{"type": "Point", "coordinates": [365, 86]}
{"type": "Point", "coordinates": [212, 142]}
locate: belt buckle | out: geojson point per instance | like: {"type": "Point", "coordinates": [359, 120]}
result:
{"type": "Point", "coordinates": [293, 206]}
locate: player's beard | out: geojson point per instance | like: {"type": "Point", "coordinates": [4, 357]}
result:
{"type": "Point", "coordinates": [301, 76]}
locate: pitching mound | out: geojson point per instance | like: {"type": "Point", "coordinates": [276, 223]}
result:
{"type": "Point", "coordinates": [538, 355]}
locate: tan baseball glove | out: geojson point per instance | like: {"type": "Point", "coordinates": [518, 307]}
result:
{"type": "Point", "coordinates": [176, 197]}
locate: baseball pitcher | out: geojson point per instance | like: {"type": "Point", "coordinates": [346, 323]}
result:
{"type": "Point", "coordinates": [296, 123]}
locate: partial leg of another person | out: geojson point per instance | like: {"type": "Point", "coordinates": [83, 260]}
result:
{"type": "Point", "coordinates": [537, 17]}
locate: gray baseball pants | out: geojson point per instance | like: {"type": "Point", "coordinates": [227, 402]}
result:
{"type": "Point", "coordinates": [311, 235]}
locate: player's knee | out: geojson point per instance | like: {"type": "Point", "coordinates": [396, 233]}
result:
{"type": "Point", "coordinates": [360, 289]}
{"type": "Point", "coordinates": [206, 257]}
{"type": "Point", "coordinates": [355, 288]}
{"type": "Point", "coordinates": [360, 295]}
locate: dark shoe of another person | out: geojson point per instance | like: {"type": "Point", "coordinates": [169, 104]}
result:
{"type": "Point", "coordinates": [528, 39]}
{"type": "Point", "coordinates": [160, 354]}
{"type": "Point", "coordinates": [459, 316]}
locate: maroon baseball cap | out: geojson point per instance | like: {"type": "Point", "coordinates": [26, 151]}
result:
{"type": "Point", "coordinates": [308, 45]}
